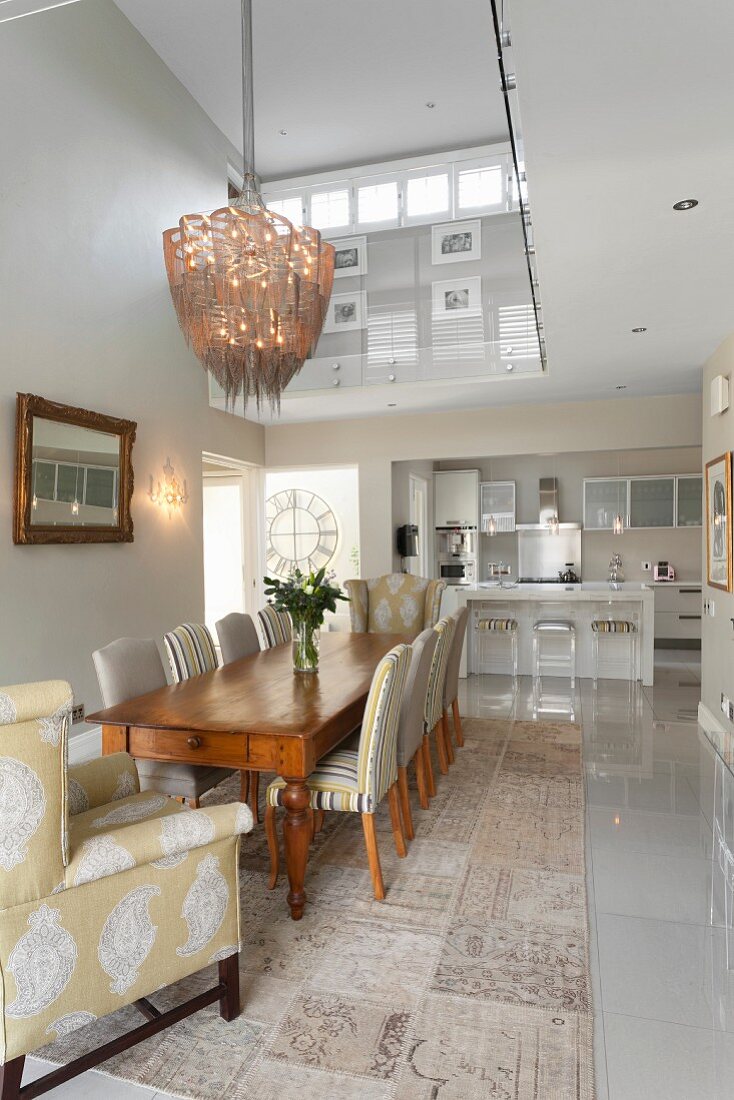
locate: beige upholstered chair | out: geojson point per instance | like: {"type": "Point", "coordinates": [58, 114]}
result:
{"type": "Point", "coordinates": [451, 686]}
{"type": "Point", "coordinates": [412, 725]}
{"type": "Point", "coordinates": [434, 702]}
{"type": "Point", "coordinates": [237, 637]}
{"type": "Point", "coordinates": [132, 666]}
{"type": "Point", "coordinates": [107, 893]}
{"type": "Point", "coordinates": [397, 603]}
{"type": "Point", "coordinates": [357, 780]}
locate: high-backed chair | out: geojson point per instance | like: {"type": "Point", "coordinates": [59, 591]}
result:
{"type": "Point", "coordinates": [107, 893]}
{"type": "Point", "coordinates": [237, 637]}
{"type": "Point", "coordinates": [451, 686]}
{"type": "Point", "coordinates": [434, 702]}
{"type": "Point", "coordinates": [191, 652]}
{"type": "Point", "coordinates": [275, 626]}
{"type": "Point", "coordinates": [357, 780]}
{"type": "Point", "coordinates": [397, 603]}
{"type": "Point", "coordinates": [412, 725]}
{"type": "Point", "coordinates": [133, 666]}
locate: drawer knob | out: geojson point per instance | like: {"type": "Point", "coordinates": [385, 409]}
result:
{"type": "Point", "coordinates": [194, 742]}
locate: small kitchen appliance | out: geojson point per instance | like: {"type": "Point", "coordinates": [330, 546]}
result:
{"type": "Point", "coordinates": [663, 571]}
{"type": "Point", "coordinates": [408, 540]}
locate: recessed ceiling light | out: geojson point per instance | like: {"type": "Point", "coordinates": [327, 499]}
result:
{"type": "Point", "coordinates": [392, 405]}
{"type": "Point", "coordinates": [430, 104]}
{"type": "Point", "coordinates": [640, 329]}
{"type": "Point", "coordinates": [685, 204]}
{"type": "Point", "coordinates": [283, 133]}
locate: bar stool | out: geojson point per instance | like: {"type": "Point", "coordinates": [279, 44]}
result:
{"type": "Point", "coordinates": [555, 628]}
{"type": "Point", "coordinates": [487, 628]}
{"type": "Point", "coordinates": [615, 626]}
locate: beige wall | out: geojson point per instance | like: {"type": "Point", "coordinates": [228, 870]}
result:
{"type": "Point", "coordinates": [102, 150]}
{"type": "Point", "coordinates": [717, 643]}
{"type": "Point", "coordinates": [374, 444]}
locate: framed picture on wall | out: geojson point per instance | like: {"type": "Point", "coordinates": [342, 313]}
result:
{"type": "Point", "coordinates": [457, 297]}
{"type": "Point", "coordinates": [350, 257]}
{"type": "Point", "coordinates": [718, 523]}
{"type": "Point", "coordinates": [456, 241]}
{"type": "Point", "coordinates": [346, 312]}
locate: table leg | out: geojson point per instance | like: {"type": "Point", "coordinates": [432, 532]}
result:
{"type": "Point", "coordinates": [297, 832]}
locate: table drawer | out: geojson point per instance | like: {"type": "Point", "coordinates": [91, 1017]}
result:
{"type": "Point", "coordinates": [221, 750]}
{"type": "Point", "coordinates": [669, 624]}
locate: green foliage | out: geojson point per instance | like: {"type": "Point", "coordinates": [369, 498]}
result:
{"type": "Point", "coordinates": [305, 596]}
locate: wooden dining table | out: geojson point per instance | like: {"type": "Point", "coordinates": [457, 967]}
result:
{"type": "Point", "coordinates": [257, 714]}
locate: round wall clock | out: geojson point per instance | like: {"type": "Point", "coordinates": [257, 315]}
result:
{"type": "Point", "coordinates": [302, 532]}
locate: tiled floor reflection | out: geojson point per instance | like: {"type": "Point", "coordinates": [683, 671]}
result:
{"type": "Point", "coordinates": [660, 873]}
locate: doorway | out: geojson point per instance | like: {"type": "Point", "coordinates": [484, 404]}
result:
{"type": "Point", "coordinates": [230, 525]}
{"type": "Point", "coordinates": [419, 517]}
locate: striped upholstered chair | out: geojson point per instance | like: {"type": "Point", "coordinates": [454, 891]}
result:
{"type": "Point", "coordinates": [434, 717]}
{"type": "Point", "coordinates": [133, 666]}
{"type": "Point", "coordinates": [190, 650]}
{"type": "Point", "coordinates": [357, 780]}
{"type": "Point", "coordinates": [397, 603]}
{"type": "Point", "coordinates": [275, 626]}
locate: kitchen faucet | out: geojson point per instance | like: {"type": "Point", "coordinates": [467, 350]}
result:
{"type": "Point", "coordinates": [616, 574]}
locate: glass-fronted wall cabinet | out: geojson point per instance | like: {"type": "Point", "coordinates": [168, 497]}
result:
{"type": "Point", "coordinates": [689, 507]}
{"type": "Point", "coordinates": [663, 501]}
{"type": "Point", "coordinates": [652, 502]}
{"type": "Point", "coordinates": [604, 498]}
{"type": "Point", "coordinates": [497, 501]}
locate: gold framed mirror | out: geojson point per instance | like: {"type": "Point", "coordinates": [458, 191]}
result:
{"type": "Point", "coordinates": [73, 474]}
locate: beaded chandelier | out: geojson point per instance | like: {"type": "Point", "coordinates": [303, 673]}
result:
{"type": "Point", "coordinates": [250, 289]}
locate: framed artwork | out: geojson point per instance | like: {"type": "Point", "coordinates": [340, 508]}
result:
{"type": "Point", "coordinates": [718, 523]}
{"type": "Point", "coordinates": [457, 297]}
{"type": "Point", "coordinates": [456, 241]}
{"type": "Point", "coordinates": [346, 312]}
{"type": "Point", "coordinates": [350, 256]}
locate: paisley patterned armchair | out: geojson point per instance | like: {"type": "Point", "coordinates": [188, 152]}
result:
{"type": "Point", "coordinates": [106, 893]}
{"type": "Point", "coordinates": [397, 603]}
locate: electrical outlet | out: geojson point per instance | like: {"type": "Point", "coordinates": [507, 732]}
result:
{"type": "Point", "coordinates": [727, 707]}
{"type": "Point", "coordinates": [712, 609]}
{"type": "Point", "coordinates": [646, 566]}
{"type": "Point", "coordinates": [77, 713]}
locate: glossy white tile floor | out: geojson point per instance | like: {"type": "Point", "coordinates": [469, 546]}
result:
{"type": "Point", "coordinates": [660, 906]}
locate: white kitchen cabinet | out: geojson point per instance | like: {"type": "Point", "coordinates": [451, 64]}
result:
{"type": "Point", "coordinates": [497, 499]}
{"type": "Point", "coordinates": [456, 498]}
{"type": "Point", "coordinates": [652, 502]}
{"type": "Point", "coordinates": [678, 610]}
{"type": "Point", "coordinates": [604, 498]}
{"type": "Point", "coordinates": [689, 501]}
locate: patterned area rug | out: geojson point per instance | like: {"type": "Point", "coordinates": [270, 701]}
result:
{"type": "Point", "coordinates": [470, 980]}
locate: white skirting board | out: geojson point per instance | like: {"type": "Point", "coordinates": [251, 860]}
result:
{"type": "Point", "coordinates": [85, 745]}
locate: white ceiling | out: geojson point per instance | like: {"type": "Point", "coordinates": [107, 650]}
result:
{"type": "Point", "coordinates": [348, 79]}
{"type": "Point", "coordinates": [626, 108]}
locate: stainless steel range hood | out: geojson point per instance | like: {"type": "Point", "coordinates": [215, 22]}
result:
{"type": "Point", "coordinates": [548, 507]}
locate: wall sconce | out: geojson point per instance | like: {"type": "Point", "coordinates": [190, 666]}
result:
{"type": "Point", "coordinates": [170, 493]}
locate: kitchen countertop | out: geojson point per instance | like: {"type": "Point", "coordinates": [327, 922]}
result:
{"type": "Point", "coordinates": [588, 591]}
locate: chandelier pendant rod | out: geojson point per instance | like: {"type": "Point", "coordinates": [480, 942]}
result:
{"type": "Point", "coordinates": [251, 181]}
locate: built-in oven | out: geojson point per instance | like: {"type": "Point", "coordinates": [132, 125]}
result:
{"type": "Point", "coordinates": [457, 570]}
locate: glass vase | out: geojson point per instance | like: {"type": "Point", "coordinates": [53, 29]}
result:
{"type": "Point", "coordinates": [305, 647]}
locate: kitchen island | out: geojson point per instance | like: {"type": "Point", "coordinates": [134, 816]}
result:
{"type": "Point", "coordinates": [579, 603]}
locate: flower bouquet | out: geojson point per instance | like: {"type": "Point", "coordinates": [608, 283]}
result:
{"type": "Point", "coordinates": [305, 596]}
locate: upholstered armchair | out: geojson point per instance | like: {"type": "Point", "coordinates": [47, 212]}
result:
{"type": "Point", "coordinates": [397, 603]}
{"type": "Point", "coordinates": [106, 893]}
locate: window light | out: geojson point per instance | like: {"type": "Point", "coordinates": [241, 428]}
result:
{"type": "Point", "coordinates": [377, 202]}
{"type": "Point", "coordinates": [290, 208]}
{"type": "Point", "coordinates": [480, 187]}
{"type": "Point", "coordinates": [330, 209]}
{"type": "Point", "coordinates": [427, 195]}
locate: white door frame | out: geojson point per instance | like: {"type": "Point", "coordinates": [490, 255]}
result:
{"type": "Point", "coordinates": [419, 516]}
{"type": "Point", "coordinates": [253, 521]}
